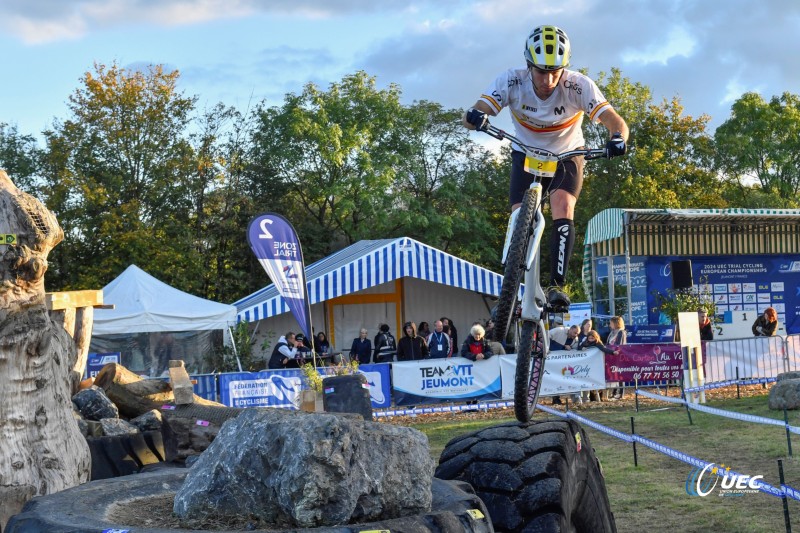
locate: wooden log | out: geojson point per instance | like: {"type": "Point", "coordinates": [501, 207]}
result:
{"type": "Point", "coordinates": [135, 396]}
{"type": "Point", "coordinates": [180, 383]}
{"type": "Point", "coordinates": [73, 299]}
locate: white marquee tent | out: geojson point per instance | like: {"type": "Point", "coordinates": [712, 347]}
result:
{"type": "Point", "coordinates": [144, 304]}
{"type": "Point", "coordinates": [152, 322]}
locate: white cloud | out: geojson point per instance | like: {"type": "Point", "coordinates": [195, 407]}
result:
{"type": "Point", "coordinates": [678, 43]}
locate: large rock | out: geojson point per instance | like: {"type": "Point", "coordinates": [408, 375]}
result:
{"type": "Point", "coordinates": [93, 404]}
{"type": "Point", "coordinates": [785, 394]}
{"type": "Point", "coordinates": [309, 469]}
{"type": "Point", "coordinates": [788, 375]}
{"type": "Point", "coordinates": [116, 426]}
{"type": "Point", "coordinates": [150, 421]}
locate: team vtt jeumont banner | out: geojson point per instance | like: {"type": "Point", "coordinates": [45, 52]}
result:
{"type": "Point", "coordinates": [275, 243]}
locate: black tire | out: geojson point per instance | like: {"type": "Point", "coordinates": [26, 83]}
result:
{"type": "Point", "coordinates": [514, 269]}
{"type": "Point", "coordinates": [533, 477]}
{"type": "Point", "coordinates": [530, 370]}
{"type": "Point", "coordinates": [455, 508]}
{"type": "Point", "coordinates": [122, 455]}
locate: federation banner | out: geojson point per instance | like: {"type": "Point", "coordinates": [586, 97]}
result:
{"type": "Point", "coordinates": [437, 380]}
{"type": "Point", "coordinates": [645, 362]}
{"type": "Point", "coordinates": [268, 388]}
{"type": "Point", "coordinates": [274, 241]}
{"type": "Point", "coordinates": [565, 371]}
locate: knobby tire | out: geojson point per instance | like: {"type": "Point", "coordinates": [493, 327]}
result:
{"type": "Point", "coordinates": [530, 370]}
{"type": "Point", "coordinates": [515, 267]}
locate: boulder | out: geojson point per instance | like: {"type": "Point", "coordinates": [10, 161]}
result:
{"type": "Point", "coordinates": [309, 469]}
{"type": "Point", "coordinates": [116, 426]}
{"type": "Point", "coordinates": [785, 394]}
{"type": "Point", "coordinates": [150, 421]}
{"type": "Point", "coordinates": [93, 404]}
{"type": "Point", "coordinates": [788, 375]}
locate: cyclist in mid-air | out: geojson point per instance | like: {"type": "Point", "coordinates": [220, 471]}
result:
{"type": "Point", "coordinates": [547, 103]}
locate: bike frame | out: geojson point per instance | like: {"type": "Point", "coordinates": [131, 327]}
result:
{"type": "Point", "coordinates": [534, 306]}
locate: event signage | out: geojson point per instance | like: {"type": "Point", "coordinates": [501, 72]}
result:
{"type": "Point", "coordinates": [379, 380]}
{"type": "Point", "coordinates": [274, 241]}
{"type": "Point", "coordinates": [269, 388]}
{"type": "Point", "coordinates": [645, 362]}
{"type": "Point", "coordinates": [435, 380]}
{"type": "Point", "coordinates": [96, 362]}
{"type": "Point", "coordinates": [565, 371]}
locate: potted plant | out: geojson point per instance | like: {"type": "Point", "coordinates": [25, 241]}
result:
{"type": "Point", "coordinates": [674, 301]}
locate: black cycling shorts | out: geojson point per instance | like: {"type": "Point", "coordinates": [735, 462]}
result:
{"type": "Point", "coordinates": [569, 177]}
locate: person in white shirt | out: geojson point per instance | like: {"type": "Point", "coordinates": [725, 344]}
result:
{"type": "Point", "coordinates": [547, 103]}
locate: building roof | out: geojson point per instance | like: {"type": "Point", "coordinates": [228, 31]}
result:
{"type": "Point", "coordinates": [366, 264]}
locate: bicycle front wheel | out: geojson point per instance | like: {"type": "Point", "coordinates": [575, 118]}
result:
{"type": "Point", "coordinates": [515, 266]}
{"type": "Point", "coordinates": [530, 370]}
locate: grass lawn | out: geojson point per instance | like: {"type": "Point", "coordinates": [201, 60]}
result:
{"type": "Point", "coordinates": [652, 496]}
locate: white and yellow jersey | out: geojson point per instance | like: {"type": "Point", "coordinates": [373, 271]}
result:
{"type": "Point", "coordinates": [555, 123]}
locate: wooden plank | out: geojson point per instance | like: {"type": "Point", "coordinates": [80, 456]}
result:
{"type": "Point", "coordinates": [73, 299]}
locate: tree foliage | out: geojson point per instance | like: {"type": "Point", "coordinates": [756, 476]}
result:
{"type": "Point", "coordinates": [761, 140]}
{"type": "Point", "coordinates": [137, 174]}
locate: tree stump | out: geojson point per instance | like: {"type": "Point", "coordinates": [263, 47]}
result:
{"type": "Point", "coordinates": [41, 448]}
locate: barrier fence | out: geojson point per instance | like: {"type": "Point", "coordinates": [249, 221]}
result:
{"type": "Point", "coordinates": [784, 491]}
{"type": "Point", "coordinates": [447, 381]}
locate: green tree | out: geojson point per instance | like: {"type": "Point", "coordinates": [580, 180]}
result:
{"type": "Point", "coordinates": [118, 171]}
{"type": "Point", "coordinates": [330, 161]}
{"type": "Point", "coordinates": [761, 141]}
{"type": "Point", "coordinates": [20, 158]}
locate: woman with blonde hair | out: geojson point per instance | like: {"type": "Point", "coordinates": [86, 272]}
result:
{"type": "Point", "coordinates": [616, 337]}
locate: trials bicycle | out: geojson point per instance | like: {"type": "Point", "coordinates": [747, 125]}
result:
{"type": "Point", "coordinates": [521, 259]}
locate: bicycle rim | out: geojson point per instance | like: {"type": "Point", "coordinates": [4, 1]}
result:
{"type": "Point", "coordinates": [530, 370]}
{"type": "Point", "coordinates": [515, 267]}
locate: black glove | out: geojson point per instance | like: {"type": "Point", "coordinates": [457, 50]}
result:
{"type": "Point", "coordinates": [479, 119]}
{"type": "Point", "coordinates": [616, 146]}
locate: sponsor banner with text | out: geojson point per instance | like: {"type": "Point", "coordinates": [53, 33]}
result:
{"type": "Point", "coordinates": [437, 380]}
{"type": "Point", "coordinates": [645, 362]}
{"type": "Point", "coordinates": [565, 371]}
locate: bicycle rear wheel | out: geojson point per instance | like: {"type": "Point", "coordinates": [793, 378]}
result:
{"type": "Point", "coordinates": [530, 370]}
{"type": "Point", "coordinates": [515, 266]}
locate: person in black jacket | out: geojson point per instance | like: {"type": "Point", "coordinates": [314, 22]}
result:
{"type": "Point", "coordinates": [476, 347]}
{"type": "Point", "coordinates": [766, 324]}
{"type": "Point", "coordinates": [452, 331]}
{"type": "Point", "coordinates": [592, 340]}
{"type": "Point", "coordinates": [283, 353]}
{"type": "Point", "coordinates": [411, 347]}
{"type": "Point", "coordinates": [361, 350]}
{"type": "Point", "coordinates": [385, 345]}
{"type": "Point", "coordinates": [706, 331]}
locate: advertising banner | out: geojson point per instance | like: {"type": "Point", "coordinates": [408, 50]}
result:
{"type": "Point", "coordinates": [277, 247]}
{"type": "Point", "coordinates": [645, 362]}
{"type": "Point", "coordinates": [744, 283]}
{"type": "Point", "coordinates": [379, 379]}
{"type": "Point", "coordinates": [96, 362]}
{"type": "Point", "coordinates": [269, 388]}
{"type": "Point", "coordinates": [437, 380]}
{"type": "Point", "coordinates": [565, 371]}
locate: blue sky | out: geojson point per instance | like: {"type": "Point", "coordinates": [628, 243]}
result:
{"type": "Point", "coordinates": [240, 52]}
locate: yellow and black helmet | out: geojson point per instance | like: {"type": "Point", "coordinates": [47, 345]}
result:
{"type": "Point", "coordinates": [547, 48]}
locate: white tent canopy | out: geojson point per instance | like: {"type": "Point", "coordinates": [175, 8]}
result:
{"type": "Point", "coordinates": [145, 304]}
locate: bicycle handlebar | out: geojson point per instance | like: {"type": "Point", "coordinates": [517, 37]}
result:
{"type": "Point", "coordinates": [587, 153]}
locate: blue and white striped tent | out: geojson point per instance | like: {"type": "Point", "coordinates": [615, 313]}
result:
{"type": "Point", "coordinates": [366, 264]}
